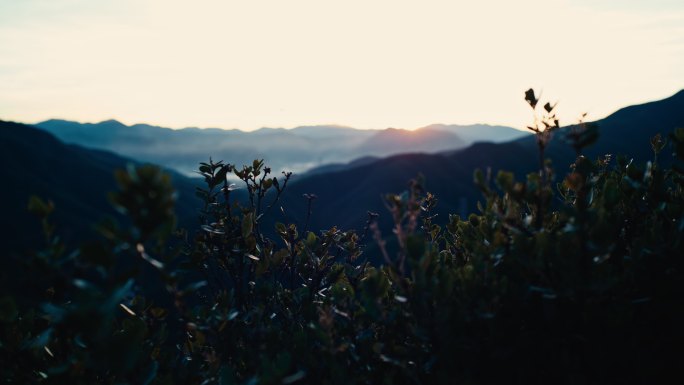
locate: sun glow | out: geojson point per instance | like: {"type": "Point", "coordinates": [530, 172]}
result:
{"type": "Point", "coordinates": [364, 64]}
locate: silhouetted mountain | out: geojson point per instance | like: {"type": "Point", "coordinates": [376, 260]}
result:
{"type": "Point", "coordinates": [75, 178]}
{"type": "Point", "coordinates": [298, 149]}
{"type": "Point", "coordinates": [627, 131]}
{"type": "Point", "coordinates": [435, 138]}
{"type": "Point", "coordinates": [393, 141]}
{"type": "Point", "coordinates": [345, 195]}
{"type": "Point", "coordinates": [480, 132]}
{"type": "Point", "coordinates": [331, 167]}
{"type": "Point", "coordinates": [329, 131]}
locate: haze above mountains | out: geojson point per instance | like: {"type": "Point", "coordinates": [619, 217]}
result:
{"type": "Point", "coordinates": [299, 149]}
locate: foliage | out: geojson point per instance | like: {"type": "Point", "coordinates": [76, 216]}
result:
{"type": "Point", "coordinates": [578, 281]}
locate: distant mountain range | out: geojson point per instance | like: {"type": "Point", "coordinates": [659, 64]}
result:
{"type": "Point", "coordinates": [299, 149]}
{"type": "Point", "coordinates": [77, 178]}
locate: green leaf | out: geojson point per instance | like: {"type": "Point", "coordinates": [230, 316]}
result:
{"type": "Point", "coordinates": [505, 180]}
{"type": "Point", "coordinates": [280, 228]}
{"type": "Point", "coordinates": [39, 207]}
{"type": "Point", "coordinates": [311, 239]}
{"type": "Point", "coordinates": [220, 176]}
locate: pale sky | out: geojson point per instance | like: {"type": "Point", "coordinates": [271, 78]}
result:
{"type": "Point", "coordinates": [366, 64]}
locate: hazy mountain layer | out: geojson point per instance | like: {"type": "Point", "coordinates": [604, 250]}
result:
{"type": "Point", "coordinates": [298, 149]}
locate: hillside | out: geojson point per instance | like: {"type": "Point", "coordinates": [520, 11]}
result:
{"type": "Point", "coordinates": [75, 178]}
{"type": "Point", "coordinates": [346, 194]}
{"type": "Point", "coordinates": [476, 132]}
{"type": "Point", "coordinates": [393, 141]}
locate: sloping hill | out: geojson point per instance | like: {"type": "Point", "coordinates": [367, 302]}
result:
{"type": "Point", "coordinates": [75, 178]}
{"type": "Point", "coordinates": [480, 132]}
{"type": "Point", "coordinates": [628, 130]}
{"type": "Point", "coordinates": [346, 195]}
{"type": "Point", "coordinates": [397, 141]}
{"type": "Point", "coordinates": [332, 167]}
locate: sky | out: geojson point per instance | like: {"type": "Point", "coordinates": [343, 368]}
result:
{"type": "Point", "coordinates": [362, 63]}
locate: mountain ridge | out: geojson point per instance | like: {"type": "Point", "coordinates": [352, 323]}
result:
{"type": "Point", "coordinates": [297, 149]}
{"type": "Point", "coordinates": [77, 179]}
{"type": "Point", "coordinates": [346, 193]}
